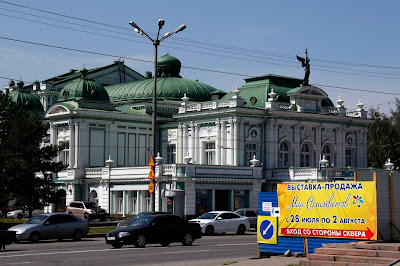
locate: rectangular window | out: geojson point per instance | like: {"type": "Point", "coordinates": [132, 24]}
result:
{"type": "Point", "coordinates": [121, 149]}
{"type": "Point", "coordinates": [96, 147]}
{"type": "Point", "coordinates": [201, 201]}
{"type": "Point", "coordinates": [133, 203]}
{"type": "Point", "coordinates": [240, 199]}
{"type": "Point", "coordinates": [251, 150]}
{"type": "Point", "coordinates": [209, 153]}
{"type": "Point", "coordinates": [146, 201]}
{"type": "Point", "coordinates": [348, 157]}
{"type": "Point", "coordinates": [171, 154]}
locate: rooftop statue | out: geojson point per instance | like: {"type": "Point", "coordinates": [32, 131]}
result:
{"type": "Point", "coordinates": [306, 64]}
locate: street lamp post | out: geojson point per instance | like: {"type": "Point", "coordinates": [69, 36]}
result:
{"type": "Point", "coordinates": [155, 42]}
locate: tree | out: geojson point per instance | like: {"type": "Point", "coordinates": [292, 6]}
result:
{"type": "Point", "coordinates": [384, 138]}
{"type": "Point", "coordinates": [26, 167]}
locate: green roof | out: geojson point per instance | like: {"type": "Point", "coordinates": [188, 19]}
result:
{"type": "Point", "coordinates": [255, 90]}
{"type": "Point", "coordinates": [83, 89]}
{"type": "Point", "coordinates": [28, 101]}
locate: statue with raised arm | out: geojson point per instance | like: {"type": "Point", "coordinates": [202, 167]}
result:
{"type": "Point", "coordinates": [305, 62]}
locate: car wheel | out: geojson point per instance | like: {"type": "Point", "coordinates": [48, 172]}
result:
{"type": "Point", "coordinates": [34, 237]}
{"type": "Point", "coordinates": [19, 216]}
{"type": "Point", "coordinates": [117, 245]}
{"type": "Point", "coordinates": [140, 241]}
{"type": "Point", "coordinates": [187, 239]}
{"type": "Point", "coordinates": [241, 229]}
{"type": "Point", "coordinates": [164, 243]}
{"type": "Point", "coordinates": [71, 213]}
{"type": "Point", "coordinates": [77, 235]}
{"type": "Point", "coordinates": [86, 216]}
{"type": "Point", "coordinates": [209, 230]}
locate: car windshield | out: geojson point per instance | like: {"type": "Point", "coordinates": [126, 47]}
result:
{"type": "Point", "coordinates": [144, 221]}
{"type": "Point", "coordinates": [140, 215]}
{"type": "Point", "coordinates": [90, 205]}
{"type": "Point", "coordinates": [37, 220]}
{"type": "Point", "coordinates": [208, 215]}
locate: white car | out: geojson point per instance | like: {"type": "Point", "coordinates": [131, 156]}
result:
{"type": "Point", "coordinates": [19, 214]}
{"type": "Point", "coordinates": [222, 222]}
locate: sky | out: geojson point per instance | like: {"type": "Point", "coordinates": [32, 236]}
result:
{"type": "Point", "coordinates": [353, 46]}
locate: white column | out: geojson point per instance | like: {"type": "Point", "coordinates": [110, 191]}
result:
{"type": "Point", "coordinates": [218, 143]}
{"type": "Point", "coordinates": [297, 146]}
{"type": "Point", "coordinates": [236, 142]}
{"type": "Point", "coordinates": [53, 134]}
{"type": "Point", "coordinates": [124, 203]}
{"type": "Point", "coordinates": [231, 140]}
{"type": "Point", "coordinates": [76, 144]}
{"type": "Point", "coordinates": [71, 144]}
{"type": "Point", "coordinates": [223, 142]}
{"type": "Point", "coordinates": [318, 148]}
{"type": "Point", "coordinates": [192, 142]}
{"type": "Point", "coordinates": [197, 149]}
{"type": "Point", "coordinates": [184, 142]}
{"type": "Point", "coordinates": [179, 149]}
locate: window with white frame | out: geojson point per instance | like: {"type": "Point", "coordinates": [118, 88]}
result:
{"type": "Point", "coordinates": [251, 150]}
{"type": "Point", "coordinates": [118, 202]}
{"type": "Point", "coordinates": [306, 155]}
{"type": "Point", "coordinates": [348, 157]}
{"type": "Point", "coordinates": [133, 202]}
{"type": "Point", "coordinates": [284, 155]}
{"type": "Point", "coordinates": [146, 201]}
{"type": "Point", "coordinates": [171, 154]}
{"type": "Point", "coordinates": [209, 152]}
{"type": "Point", "coordinates": [64, 154]}
{"type": "Point", "coordinates": [327, 152]}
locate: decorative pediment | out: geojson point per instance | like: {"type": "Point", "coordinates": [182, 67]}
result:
{"type": "Point", "coordinates": [56, 110]}
{"type": "Point", "coordinates": [308, 92]}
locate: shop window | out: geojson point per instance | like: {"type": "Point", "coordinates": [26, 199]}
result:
{"type": "Point", "coordinates": [240, 199]}
{"type": "Point", "coordinates": [201, 201]}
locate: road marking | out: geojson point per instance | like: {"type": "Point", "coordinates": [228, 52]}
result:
{"type": "Point", "coordinates": [62, 252]}
{"type": "Point", "coordinates": [240, 244]}
{"type": "Point", "coordinates": [192, 251]}
{"type": "Point", "coordinates": [17, 263]}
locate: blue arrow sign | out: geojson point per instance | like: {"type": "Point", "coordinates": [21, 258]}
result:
{"type": "Point", "coordinates": [267, 229]}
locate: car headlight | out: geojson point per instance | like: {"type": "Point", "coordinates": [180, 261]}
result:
{"type": "Point", "coordinates": [123, 234]}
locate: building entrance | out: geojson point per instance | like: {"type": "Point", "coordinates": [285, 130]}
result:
{"type": "Point", "coordinates": [222, 200]}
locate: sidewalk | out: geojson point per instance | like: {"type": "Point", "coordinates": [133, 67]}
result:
{"type": "Point", "coordinates": [273, 260]}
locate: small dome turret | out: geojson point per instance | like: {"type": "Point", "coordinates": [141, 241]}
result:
{"type": "Point", "coordinates": [83, 89]}
{"type": "Point", "coordinates": [23, 97]}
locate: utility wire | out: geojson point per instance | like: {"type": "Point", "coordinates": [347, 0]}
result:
{"type": "Point", "coordinates": [296, 65]}
{"type": "Point", "coordinates": [194, 68]}
{"type": "Point", "coordinates": [201, 42]}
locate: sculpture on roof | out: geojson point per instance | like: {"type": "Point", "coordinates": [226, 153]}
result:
{"type": "Point", "coordinates": [305, 62]}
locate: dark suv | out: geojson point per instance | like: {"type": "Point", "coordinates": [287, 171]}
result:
{"type": "Point", "coordinates": [87, 210]}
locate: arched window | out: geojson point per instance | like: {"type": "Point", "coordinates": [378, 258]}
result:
{"type": "Point", "coordinates": [328, 152]}
{"type": "Point", "coordinates": [306, 155]}
{"type": "Point", "coordinates": [284, 155]}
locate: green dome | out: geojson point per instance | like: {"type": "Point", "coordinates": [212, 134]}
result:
{"type": "Point", "coordinates": [83, 89]}
{"type": "Point", "coordinates": [168, 66]}
{"type": "Point", "coordinates": [170, 85]}
{"type": "Point", "coordinates": [28, 101]}
{"type": "Point", "coordinates": [168, 88]}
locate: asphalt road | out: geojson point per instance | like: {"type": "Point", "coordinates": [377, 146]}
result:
{"type": "Point", "coordinates": [209, 250]}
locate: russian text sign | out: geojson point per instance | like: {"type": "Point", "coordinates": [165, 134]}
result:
{"type": "Point", "coordinates": [333, 210]}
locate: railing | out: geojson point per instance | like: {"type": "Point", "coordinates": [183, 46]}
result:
{"type": "Point", "coordinates": [331, 110]}
{"type": "Point", "coordinates": [285, 106]}
{"type": "Point", "coordinates": [169, 169]}
{"type": "Point", "coordinates": [94, 172]}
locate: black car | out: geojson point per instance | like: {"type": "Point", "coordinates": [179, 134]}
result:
{"type": "Point", "coordinates": [160, 228]}
{"type": "Point", "coordinates": [126, 223]}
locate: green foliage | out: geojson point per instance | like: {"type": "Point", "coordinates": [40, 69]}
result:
{"type": "Point", "coordinates": [26, 166]}
{"type": "Point", "coordinates": [384, 138]}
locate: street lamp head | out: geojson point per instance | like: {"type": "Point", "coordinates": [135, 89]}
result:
{"type": "Point", "coordinates": [181, 28]}
{"type": "Point", "coordinates": [134, 25]}
{"type": "Point", "coordinates": [161, 23]}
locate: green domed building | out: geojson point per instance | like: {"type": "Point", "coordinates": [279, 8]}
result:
{"type": "Point", "coordinates": [217, 150]}
{"type": "Point", "coordinates": [24, 98]}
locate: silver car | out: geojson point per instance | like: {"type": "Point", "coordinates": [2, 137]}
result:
{"type": "Point", "coordinates": [51, 226]}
